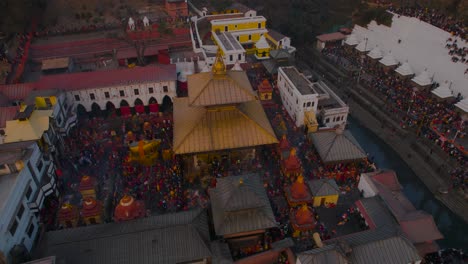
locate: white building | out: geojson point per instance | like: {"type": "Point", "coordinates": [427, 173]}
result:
{"type": "Point", "coordinates": [299, 95]}
{"type": "Point", "coordinates": [28, 147]}
{"type": "Point", "coordinates": [115, 88]}
{"type": "Point", "coordinates": [231, 49]}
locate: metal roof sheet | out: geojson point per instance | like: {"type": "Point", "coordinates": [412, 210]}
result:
{"type": "Point", "coordinates": [172, 238]}
{"type": "Point", "coordinates": [335, 36]}
{"type": "Point", "coordinates": [323, 187]}
{"type": "Point", "coordinates": [393, 250]}
{"type": "Point", "coordinates": [335, 147]}
{"type": "Point", "coordinates": [200, 129]}
{"type": "Point", "coordinates": [240, 207]}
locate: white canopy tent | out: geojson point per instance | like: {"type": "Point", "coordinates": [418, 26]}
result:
{"type": "Point", "coordinates": [364, 46]}
{"type": "Point", "coordinates": [443, 91]}
{"type": "Point", "coordinates": [375, 53]}
{"type": "Point", "coordinates": [405, 69]}
{"type": "Point", "coordinates": [389, 60]}
{"type": "Point", "coordinates": [351, 40]}
{"type": "Point", "coordinates": [423, 79]}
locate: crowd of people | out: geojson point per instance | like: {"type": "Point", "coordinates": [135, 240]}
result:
{"type": "Point", "coordinates": [457, 27]}
{"type": "Point", "coordinates": [415, 109]}
{"type": "Point", "coordinates": [447, 256]}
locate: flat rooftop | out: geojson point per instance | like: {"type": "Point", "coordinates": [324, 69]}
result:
{"type": "Point", "coordinates": [228, 42]}
{"type": "Point", "coordinates": [237, 20]}
{"type": "Point", "coordinates": [303, 85]}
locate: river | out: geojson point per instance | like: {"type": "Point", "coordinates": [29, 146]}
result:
{"type": "Point", "coordinates": [453, 228]}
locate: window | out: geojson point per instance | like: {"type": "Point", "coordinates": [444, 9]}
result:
{"type": "Point", "coordinates": [250, 37]}
{"type": "Point", "coordinates": [30, 228]}
{"type": "Point", "coordinates": [237, 38]}
{"type": "Point", "coordinates": [59, 120]}
{"type": "Point", "coordinates": [91, 95]}
{"type": "Point", "coordinates": [334, 119]}
{"type": "Point", "coordinates": [151, 90]}
{"type": "Point", "coordinates": [308, 104]}
{"type": "Point", "coordinates": [136, 91]}
{"type": "Point", "coordinates": [106, 94]}
{"type": "Point", "coordinates": [20, 212]}
{"type": "Point", "coordinates": [230, 57]}
{"type": "Point", "coordinates": [297, 101]}
{"type": "Point", "coordinates": [3, 166]}
{"type": "Point", "coordinates": [259, 25]}
{"type": "Point", "coordinates": [122, 93]}
{"type": "Point", "coordinates": [226, 28]}
{"type": "Point", "coordinates": [28, 193]}
{"type": "Point", "coordinates": [39, 165]}
{"type": "Point", "coordinates": [313, 103]}
{"type": "Point", "coordinates": [165, 89]}
{"type": "Point", "coordinates": [77, 97]}
{"type": "Point", "coordinates": [13, 227]}
{"type": "Point", "coordinates": [304, 104]}
{"type": "Point", "coordinates": [239, 57]}
{"type": "Point", "coordinates": [65, 106]}
{"type": "Point", "coordinates": [327, 120]}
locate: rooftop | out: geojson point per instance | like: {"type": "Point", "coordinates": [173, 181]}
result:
{"type": "Point", "coordinates": [237, 20]}
{"type": "Point", "coordinates": [302, 84]}
{"type": "Point", "coordinates": [337, 147]}
{"type": "Point", "coordinates": [170, 238]}
{"type": "Point", "coordinates": [30, 129]}
{"type": "Point", "coordinates": [228, 42]}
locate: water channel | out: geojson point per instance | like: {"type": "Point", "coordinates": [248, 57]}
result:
{"type": "Point", "coordinates": [453, 228]}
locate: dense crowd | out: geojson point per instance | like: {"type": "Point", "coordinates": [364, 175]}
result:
{"type": "Point", "coordinates": [456, 27]}
{"type": "Point", "coordinates": [447, 256]}
{"type": "Point", "coordinates": [415, 109]}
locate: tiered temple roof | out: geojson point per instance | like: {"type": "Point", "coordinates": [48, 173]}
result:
{"type": "Point", "coordinates": [129, 208]}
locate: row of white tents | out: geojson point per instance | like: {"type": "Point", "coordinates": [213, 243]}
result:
{"type": "Point", "coordinates": [414, 48]}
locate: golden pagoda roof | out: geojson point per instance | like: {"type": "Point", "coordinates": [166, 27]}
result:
{"type": "Point", "coordinates": [205, 129]}
{"type": "Point", "coordinates": [209, 88]}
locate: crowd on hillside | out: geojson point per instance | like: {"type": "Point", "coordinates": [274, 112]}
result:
{"type": "Point", "coordinates": [457, 27]}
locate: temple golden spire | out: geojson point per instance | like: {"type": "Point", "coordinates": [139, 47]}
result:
{"type": "Point", "coordinates": [219, 68]}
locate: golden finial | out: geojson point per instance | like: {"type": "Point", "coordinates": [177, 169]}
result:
{"type": "Point", "coordinates": [241, 182]}
{"type": "Point", "coordinates": [300, 179]}
{"type": "Point", "coordinates": [292, 152]}
{"type": "Point", "coordinates": [219, 68]}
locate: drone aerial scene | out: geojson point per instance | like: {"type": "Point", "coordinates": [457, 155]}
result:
{"type": "Point", "coordinates": [233, 131]}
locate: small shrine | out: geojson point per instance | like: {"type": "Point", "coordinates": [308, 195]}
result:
{"type": "Point", "coordinates": [265, 90]}
{"type": "Point", "coordinates": [68, 215]}
{"type": "Point", "coordinates": [291, 166]}
{"type": "Point", "coordinates": [284, 147]}
{"type": "Point", "coordinates": [298, 193]}
{"type": "Point", "coordinates": [128, 209]}
{"type": "Point", "coordinates": [302, 220]}
{"type": "Point", "coordinates": [88, 187]}
{"type": "Point", "coordinates": [91, 211]}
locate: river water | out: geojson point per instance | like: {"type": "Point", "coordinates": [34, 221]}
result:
{"type": "Point", "coordinates": [453, 228]}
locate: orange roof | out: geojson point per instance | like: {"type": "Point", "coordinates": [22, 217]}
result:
{"type": "Point", "coordinates": [292, 163]}
{"type": "Point", "coordinates": [284, 144]}
{"type": "Point", "coordinates": [91, 207]}
{"type": "Point", "coordinates": [67, 212]}
{"type": "Point", "coordinates": [299, 189]}
{"type": "Point", "coordinates": [304, 216]}
{"type": "Point", "coordinates": [128, 209]}
{"type": "Point", "coordinates": [87, 183]}
{"type": "Point", "coordinates": [265, 86]}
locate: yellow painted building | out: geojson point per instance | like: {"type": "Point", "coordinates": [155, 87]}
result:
{"type": "Point", "coordinates": [325, 192]}
{"type": "Point", "coordinates": [245, 29]}
{"type": "Point", "coordinates": [310, 120]}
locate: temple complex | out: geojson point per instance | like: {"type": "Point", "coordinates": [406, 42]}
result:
{"type": "Point", "coordinates": [298, 193]}
{"type": "Point", "coordinates": [291, 166]}
{"type": "Point", "coordinates": [68, 215]}
{"type": "Point", "coordinates": [88, 187]}
{"type": "Point", "coordinates": [92, 211]}
{"type": "Point", "coordinates": [284, 147]}
{"type": "Point", "coordinates": [129, 208]}
{"type": "Point", "coordinates": [302, 219]}
{"type": "Point", "coordinates": [221, 118]}
{"type": "Point", "coordinates": [265, 90]}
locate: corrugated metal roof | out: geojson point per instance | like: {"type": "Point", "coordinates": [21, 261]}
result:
{"type": "Point", "coordinates": [378, 212]}
{"type": "Point", "coordinates": [326, 254]}
{"type": "Point", "coordinates": [393, 250]}
{"type": "Point", "coordinates": [207, 89]}
{"type": "Point", "coordinates": [89, 80]}
{"type": "Point", "coordinates": [420, 227]}
{"type": "Point", "coordinates": [336, 147]}
{"type": "Point", "coordinates": [240, 207]}
{"type": "Point", "coordinates": [335, 36]}
{"type": "Point", "coordinates": [323, 187]}
{"type": "Point", "coordinates": [172, 238]}
{"type": "Point", "coordinates": [200, 129]}
{"type": "Point", "coordinates": [275, 35]}
{"type": "Point", "coordinates": [17, 91]}
{"type": "Point", "coordinates": [221, 253]}
{"type": "Point", "coordinates": [389, 179]}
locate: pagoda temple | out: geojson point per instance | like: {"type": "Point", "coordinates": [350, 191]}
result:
{"type": "Point", "coordinates": [68, 215]}
{"type": "Point", "coordinates": [284, 147]}
{"type": "Point", "coordinates": [128, 209]}
{"type": "Point", "coordinates": [291, 166]}
{"type": "Point", "coordinates": [298, 193]}
{"type": "Point", "coordinates": [91, 211]}
{"type": "Point", "coordinates": [302, 220]}
{"type": "Point", "coordinates": [265, 91]}
{"type": "Point", "coordinates": [88, 187]}
{"type": "Point", "coordinates": [221, 117]}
